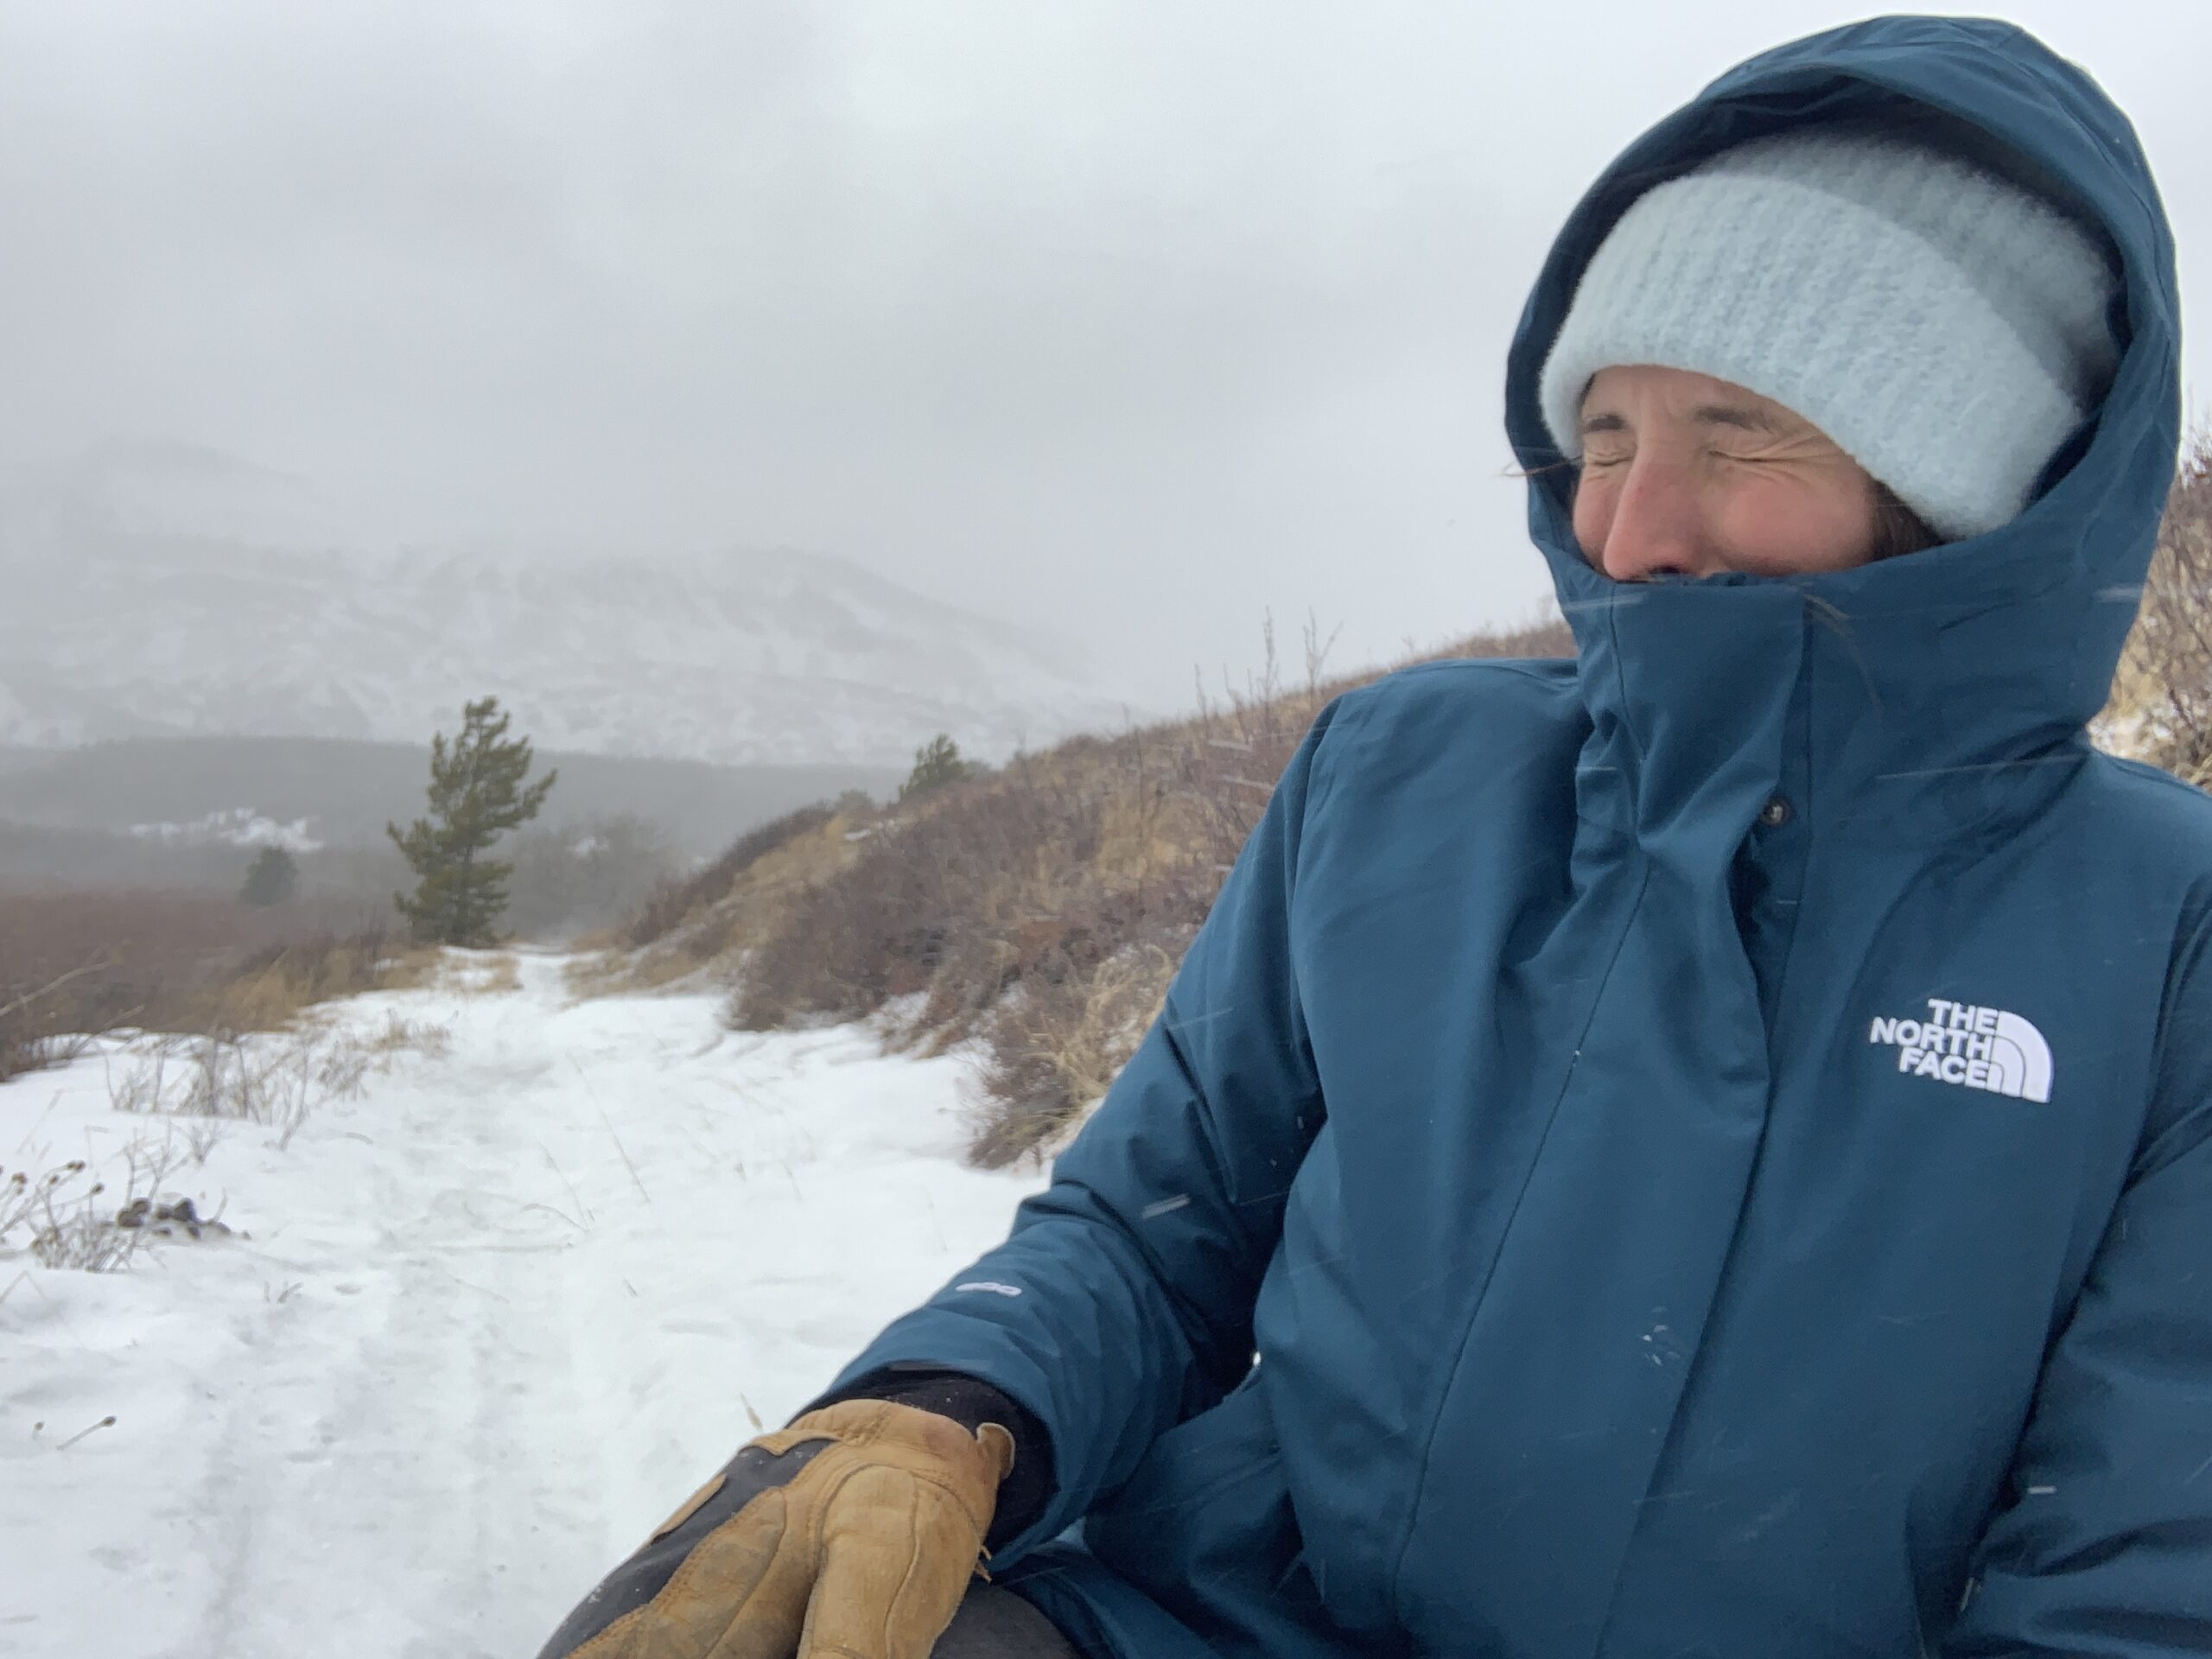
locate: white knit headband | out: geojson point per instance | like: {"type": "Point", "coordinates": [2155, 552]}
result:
{"type": "Point", "coordinates": [1945, 327]}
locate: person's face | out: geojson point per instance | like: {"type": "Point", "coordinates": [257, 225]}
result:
{"type": "Point", "coordinates": [1686, 475]}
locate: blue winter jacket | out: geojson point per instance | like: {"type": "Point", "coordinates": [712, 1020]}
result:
{"type": "Point", "coordinates": [1711, 1143]}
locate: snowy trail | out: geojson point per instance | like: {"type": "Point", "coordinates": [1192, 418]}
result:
{"type": "Point", "coordinates": [494, 1318]}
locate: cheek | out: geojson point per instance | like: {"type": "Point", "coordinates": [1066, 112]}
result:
{"type": "Point", "coordinates": [1784, 525]}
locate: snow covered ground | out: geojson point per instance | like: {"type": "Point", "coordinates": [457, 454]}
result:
{"type": "Point", "coordinates": [481, 1323]}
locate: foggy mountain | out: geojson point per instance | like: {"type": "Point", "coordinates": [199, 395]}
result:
{"type": "Point", "coordinates": [157, 588]}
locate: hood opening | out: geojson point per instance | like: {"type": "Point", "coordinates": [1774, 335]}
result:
{"type": "Point", "coordinates": [1991, 92]}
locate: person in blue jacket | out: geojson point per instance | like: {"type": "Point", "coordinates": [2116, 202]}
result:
{"type": "Point", "coordinates": [1705, 1149]}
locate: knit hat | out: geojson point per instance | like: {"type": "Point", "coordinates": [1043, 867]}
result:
{"type": "Point", "coordinates": [1945, 327]}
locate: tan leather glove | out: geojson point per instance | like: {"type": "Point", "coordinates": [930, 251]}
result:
{"type": "Point", "coordinates": [851, 1535]}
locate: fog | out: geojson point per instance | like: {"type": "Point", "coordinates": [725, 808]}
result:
{"type": "Point", "coordinates": [1125, 319]}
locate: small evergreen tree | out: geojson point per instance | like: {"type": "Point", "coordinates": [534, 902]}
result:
{"type": "Point", "coordinates": [270, 878]}
{"type": "Point", "coordinates": [936, 763]}
{"type": "Point", "coordinates": [477, 795]}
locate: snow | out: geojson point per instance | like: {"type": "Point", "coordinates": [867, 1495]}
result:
{"type": "Point", "coordinates": [241, 826]}
{"type": "Point", "coordinates": [484, 1321]}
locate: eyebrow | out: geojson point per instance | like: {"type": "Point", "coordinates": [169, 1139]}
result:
{"type": "Point", "coordinates": [1736, 415]}
{"type": "Point", "coordinates": [1740, 415]}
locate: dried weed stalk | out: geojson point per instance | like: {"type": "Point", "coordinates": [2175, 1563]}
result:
{"type": "Point", "coordinates": [273, 1082]}
{"type": "Point", "coordinates": [72, 1218]}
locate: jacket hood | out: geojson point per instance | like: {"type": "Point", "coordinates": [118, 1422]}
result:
{"type": "Point", "coordinates": [1975, 654]}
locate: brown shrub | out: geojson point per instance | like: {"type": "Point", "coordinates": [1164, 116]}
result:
{"type": "Point", "coordinates": [273, 986]}
{"type": "Point", "coordinates": [1053, 1046]}
{"type": "Point", "coordinates": [2161, 706]}
{"type": "Point", "coordinates": [37, 1030]}
{"type": "Point", "coordinates": [76, 963]}
{"type": "Point", "coordinates": [1042, 908]}
{"type": "Point", "coordinates": [501, 976]}
{"type": "Point", "coordinates": [73, 964]}
{"type": "Point", "coordinates": [704, 928]}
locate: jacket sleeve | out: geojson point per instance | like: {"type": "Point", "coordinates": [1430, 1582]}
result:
{"type": "Point", "coordinates": [2104, 1544]}
{"type": "Point", "coordinates": [1121, 1302]}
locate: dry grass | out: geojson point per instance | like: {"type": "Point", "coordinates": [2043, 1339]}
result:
{"type": "Point", "coordinates": [36, 1027]}
{"type": "Point", "coordinates": [274, 1081]}
{"type": "Point", "coordinates": [273, 988]}
{"type": "Point", "coordinates": [399, 1035]}
{"type": "Point", "coordinates": [213, 1080]}
{"type": "Point", "coordinates": [197, 976]}
{"type": "Point", "coordinates": [741, 897]}
{"type": "Point", "coordinates": [67, 1215]}
{"type": "Point", "coordinates": [602, 968]}
{"type": "Point", "coordinates": [73, 964]}
{"type": "Point", "coordinates": [1055, 1046]}
{"type": "Point", "coordinates": [475, 973]}
{"type": "Point", "coordinates": [677, 904]}
{"type": "Point", "coordinates": [1042, 909]}
{"type": "Point", "coordinates": [2161, 706]}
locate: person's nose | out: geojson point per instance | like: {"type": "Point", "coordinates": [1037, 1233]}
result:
{"type": "Point", "coordinates": [1655, 529]}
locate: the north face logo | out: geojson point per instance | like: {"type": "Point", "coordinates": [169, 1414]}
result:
{"type": "Point", "coordinates": [1976, 1048]}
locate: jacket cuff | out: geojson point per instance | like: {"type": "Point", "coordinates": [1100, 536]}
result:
{"type": "Point", "coordinates": [971, 1402]}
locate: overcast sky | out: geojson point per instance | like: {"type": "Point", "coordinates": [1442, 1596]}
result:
{"type": "Point", "coordinates": [1130, 319]}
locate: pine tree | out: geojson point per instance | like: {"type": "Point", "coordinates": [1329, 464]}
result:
{"type": "Point", "coordinates": [477, 794]}
{"type": "Point", "coordinates": [270, 878]}
{"type": "Point", "coordinates": [936, 763]}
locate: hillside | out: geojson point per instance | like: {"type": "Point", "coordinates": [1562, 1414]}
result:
{"type": "Point", "coordinates": [162, 589]}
